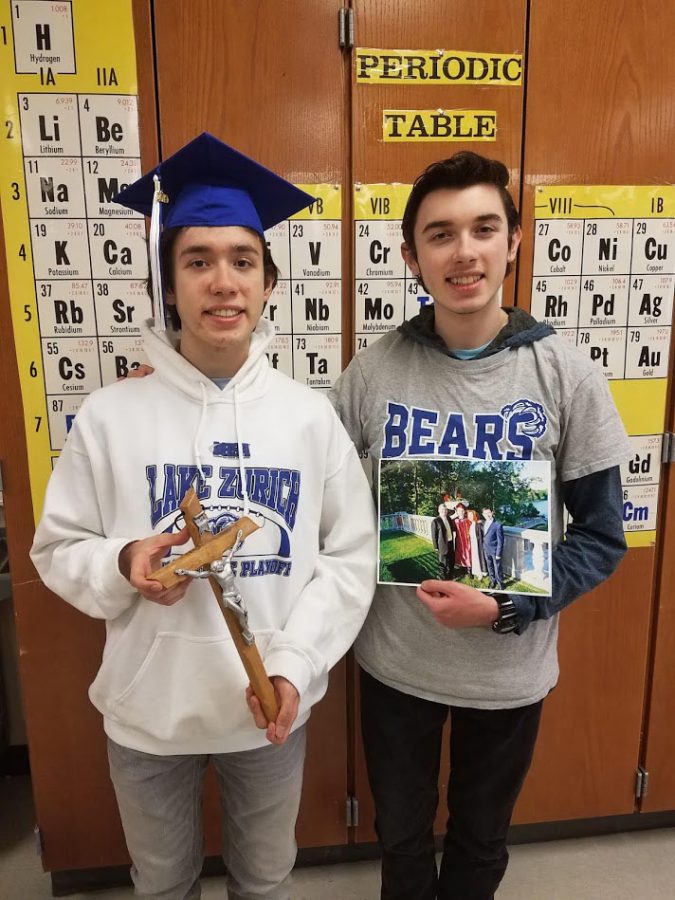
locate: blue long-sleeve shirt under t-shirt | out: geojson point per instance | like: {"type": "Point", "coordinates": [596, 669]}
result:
{"type": "Point", "coordinates": [594, 542]}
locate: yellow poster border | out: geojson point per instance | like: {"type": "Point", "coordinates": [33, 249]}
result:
{"type": "Point", "coordinates": [329, 206]}
{"type": "Point", "coordinates": [604, 201]}
{"type": "Point", "coordinates": [105, 57]}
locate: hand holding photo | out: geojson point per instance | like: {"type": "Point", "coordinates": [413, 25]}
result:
{"type": "Point", "coordinates": [484, 523]}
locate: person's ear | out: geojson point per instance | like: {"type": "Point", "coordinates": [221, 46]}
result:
{"type": "Point", "coordinates": [411, 260]}
{"type": "Point", "coordinates": [516, 237]}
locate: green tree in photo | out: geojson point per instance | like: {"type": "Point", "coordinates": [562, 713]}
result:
{"type": "Point", "coordinates": [417, 486]}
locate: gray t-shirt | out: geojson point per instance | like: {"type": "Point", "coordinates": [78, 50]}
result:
{"type": "Point", "coordinates": [544, 400]}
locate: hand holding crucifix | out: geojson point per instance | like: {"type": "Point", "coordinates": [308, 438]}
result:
{"type": "Point", "coordinates": [210, 560]}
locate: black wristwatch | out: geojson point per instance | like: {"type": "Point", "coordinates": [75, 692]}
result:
{"type": "Point", "coordinates": [507, 619]}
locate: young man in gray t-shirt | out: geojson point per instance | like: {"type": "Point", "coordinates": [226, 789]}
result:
{"type": "Point", "coordinates": [470, 378]}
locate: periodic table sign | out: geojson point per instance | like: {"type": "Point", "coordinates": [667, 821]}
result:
{"type": "Point", "coordinates": [306, 305]}
{"type": "Point", "coordinates": [386, 291]}
{"type": "Point", "coordinates": [77, 261]}
{"type": "Point", "coordinates": [604, 277]}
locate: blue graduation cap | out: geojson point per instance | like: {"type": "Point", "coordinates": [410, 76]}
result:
{"type": "Point", "coordinates": [208, 183]}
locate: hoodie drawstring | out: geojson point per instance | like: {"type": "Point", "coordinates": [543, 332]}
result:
{"type": "Point", "coordinates": [240, 451]}
{"type": "Point", "coordinates": [198, 456]}
{"type": "Point", "coordinates": [240, 446]}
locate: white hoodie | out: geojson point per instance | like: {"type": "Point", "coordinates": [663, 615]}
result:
{"type": "Point", "coordinates": [171, 681]}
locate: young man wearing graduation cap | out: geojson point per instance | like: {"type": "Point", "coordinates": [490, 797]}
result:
{"type": "Point", "coordinates": [216, 416]}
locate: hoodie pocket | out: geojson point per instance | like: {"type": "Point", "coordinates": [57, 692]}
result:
{"type": "Point", "coordinates": [186, 688]}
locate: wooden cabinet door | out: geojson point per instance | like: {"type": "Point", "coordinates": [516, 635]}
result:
{"type": "Point", "coordinates": [599, 111]}
{"type": "Point", "coordinates": [488, 27]}
{"type": "Point", "coordinates": [654, 132]}
{"type": "Point", "coordinates": [267, 78]}
{"type": "Point", "coordinates": [659, 749]}
{"type": "Point", "coordinates": [59, 648]}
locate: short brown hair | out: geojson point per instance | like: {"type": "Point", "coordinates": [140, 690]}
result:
{"type": "Point", "coordinates": [462, 170]}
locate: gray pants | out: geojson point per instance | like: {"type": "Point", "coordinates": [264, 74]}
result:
{"type": "Point", "coordinates": [159, 799]}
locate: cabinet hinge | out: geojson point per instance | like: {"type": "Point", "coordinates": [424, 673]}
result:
{"type": "Point", "coordinates": [641, 782]}
{"type": "Point", "coordinates": [352, 812]}
{"type": "Point", "coordinates": [668, 448]}
{"type": "Point", "coordinates": [346, 28]}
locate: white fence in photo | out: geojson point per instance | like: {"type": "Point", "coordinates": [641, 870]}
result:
{"type": "Point", "coordinates": [525, 555]}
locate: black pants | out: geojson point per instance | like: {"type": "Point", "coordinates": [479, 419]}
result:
{"type": "Point", "coordinates": [490, 753]}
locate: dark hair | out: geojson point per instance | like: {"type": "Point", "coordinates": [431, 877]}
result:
{"type": "Point", "coordinates": [166, 244]}
{"type": "Point", "coordinates": [462, 170]}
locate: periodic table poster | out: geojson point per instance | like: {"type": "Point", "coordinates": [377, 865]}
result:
{"type": "Point", "coordinates": [77, 262]}
{"type": "Point", "coordinates": [603, 276]}
{"type": "Point", "coordinates": [386, 291]}
{"type": "Point", "coordinates": [306, 306]}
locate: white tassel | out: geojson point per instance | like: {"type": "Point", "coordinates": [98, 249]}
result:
{"type": "Point", "coordinates": [155, 264]}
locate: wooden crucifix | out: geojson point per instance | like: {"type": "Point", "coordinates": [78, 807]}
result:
{"type": "Point", "coordinates": [211, 560]}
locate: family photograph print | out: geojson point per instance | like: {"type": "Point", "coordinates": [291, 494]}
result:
{"type": "Point", "coordinates": [479, 522]}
